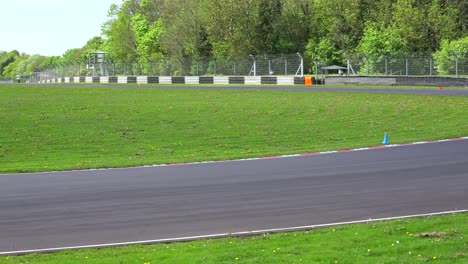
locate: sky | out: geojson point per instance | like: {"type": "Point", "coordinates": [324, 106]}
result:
{"type": "Point", "coordinates": [50, 27]}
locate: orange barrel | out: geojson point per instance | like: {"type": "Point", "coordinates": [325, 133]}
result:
{"type": "Point", "coordinates": [308, 81]}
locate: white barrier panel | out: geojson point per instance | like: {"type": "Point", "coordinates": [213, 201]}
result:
{"type": "Point", "coordinates": [165, 80]}
{"type": "Point", "coordinates": [142, 79]}
{"type": "Point", "coordinates": [67, 79]}
{"type": "Point", "coordinates": [76, 79]}
{"type": "Point", "coordinates": [220, 80]}
{"type": "Point", "coordinates": [122, 79]}
{"type": "Point", "coordinates": [283, 80]}
{"type": "Point", "coordinates": [89, 79]}
{"type": "Point", "coordinates": [252, 80]}
{"type": "Point", "coordinates": [192, 80]}
{"type": "Point", "coordinates": [104, 79]}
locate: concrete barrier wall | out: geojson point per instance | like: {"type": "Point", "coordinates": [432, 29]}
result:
{"type": "Point", "coordinates": [417, 81]}
{"type": "Point", "coordinates": [246, 80]}
{"type": "Point", "coordinates": [142, 79]}
{"type": "Point", "coordinates": [252, 80]}
{"type": "Point", "coordinates": [266, 80]}
{"type": "Point", "coordinates": [192, 80]}
{"type": "Point", "coordinates": [122, 79]}
{"type": "Point", "coordinates": [285, 81]}
{"type": "Point", "coordinates": [165, 80]}
{"type": "Point", "coordinates": [220, 80]}
{"type": "Point", "coordinates": [436, 81]}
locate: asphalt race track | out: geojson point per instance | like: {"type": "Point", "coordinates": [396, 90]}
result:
{"type": "Point", "coordinates": [59, 209]}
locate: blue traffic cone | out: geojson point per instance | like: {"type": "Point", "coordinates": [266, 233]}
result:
{"type": "Point", "coordinates": [385, 139]}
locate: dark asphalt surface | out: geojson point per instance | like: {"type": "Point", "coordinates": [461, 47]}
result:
{"type": "Point", "coordinates": [298, 88]}
{"type": "Point", "coordinates": [105, 206]}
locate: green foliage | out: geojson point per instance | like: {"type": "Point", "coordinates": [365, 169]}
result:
{"type": "Point", "coordinates": [339, 22]}
{"type": "Point", "coordinates": [381, 40]}
{"type": "Point", "coordinates": [6, 59]}
{"type": "Point", "coordinates": [324, 52]}
{"type": "Point", "coordinates": [171, 30]}
{"type": "Point", "coordinates": [20, 65]}
{"type": "Point", "coordinates": [154, 30]}
{"type": "Point", "coordinates": [148, 37]}
{"type": "Point", "coordinates": [446, 57]}
{"type": "Point", "coordinates": [119, 32]}
{"type": "Point", "coordinates": [50, 62]}
{"type": "Point", "coordinates": [378, 42]}
{"type": "Point", "coordinates": [424, 23]}
{"type": "Point", "coordinates": [72, 56]}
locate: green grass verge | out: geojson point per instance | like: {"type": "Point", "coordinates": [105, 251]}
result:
{"type": "Point", "coordinates": [440, 239]}
{"type": "Point", "coordinates": [45, 129]}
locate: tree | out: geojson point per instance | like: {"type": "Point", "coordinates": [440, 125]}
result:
{"type": "Point", "coordinates": [323, 52]}
{"type": "Point", "coordinates": [295, 26]}
{"type": "Point", "coordinates": [72, 55]}
{"type": "Point", "coordinates": [7, 59]}
{"type": "Point", "coordinates": [451, 51]}
{"type": "Point", "coordinates": [231, 34]}
{"type": "Point", "coordinates": [148, 37]}
{"type": "Point", "coordinates": [119, 32]}
{"type": "Point", "coordinates": [267, 28]}
{"type": "Point", "coordinates": [339, 21]}
{"type": "Point", "coordinates": [424, 23]}
{"type": "Point", "coordinates": [381, 40]}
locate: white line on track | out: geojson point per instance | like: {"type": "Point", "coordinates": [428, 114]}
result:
{"type": "Point", "coordinates": [224, 235]}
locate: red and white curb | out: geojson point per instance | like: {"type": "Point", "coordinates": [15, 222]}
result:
{"type": "Point", "coordinates": [270, 157]}
{"type": "Point", "coordinates": [312, 153]}
{"type": "Point", "coordinates": [226, 235]}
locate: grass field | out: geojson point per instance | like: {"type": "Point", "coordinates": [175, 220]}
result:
{"type": "Point", "coordinates": [57, 128]}
{"type": "Point", "coordinates": [45, 129]}
{"type": "Point", "coordinates": [439, 239]}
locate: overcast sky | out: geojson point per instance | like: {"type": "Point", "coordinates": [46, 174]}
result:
{"type": "Point", "coordinates": [50, 27]}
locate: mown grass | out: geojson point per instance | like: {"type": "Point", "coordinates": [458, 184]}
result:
{"type": "Point", "coordinates": [45, 129]}
{"type": "Point", "coordinates": [440, 239]}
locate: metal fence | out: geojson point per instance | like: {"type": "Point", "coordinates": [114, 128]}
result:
{"type": "Point", "coordinates": [409, 64]}
{"type": "Point", "coordinates": [253, 65]}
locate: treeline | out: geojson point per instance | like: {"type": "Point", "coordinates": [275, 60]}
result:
{"type": "Point", "coordinates": [17, 65]}
{"type": "Point", "coordinates": [321, 30]}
